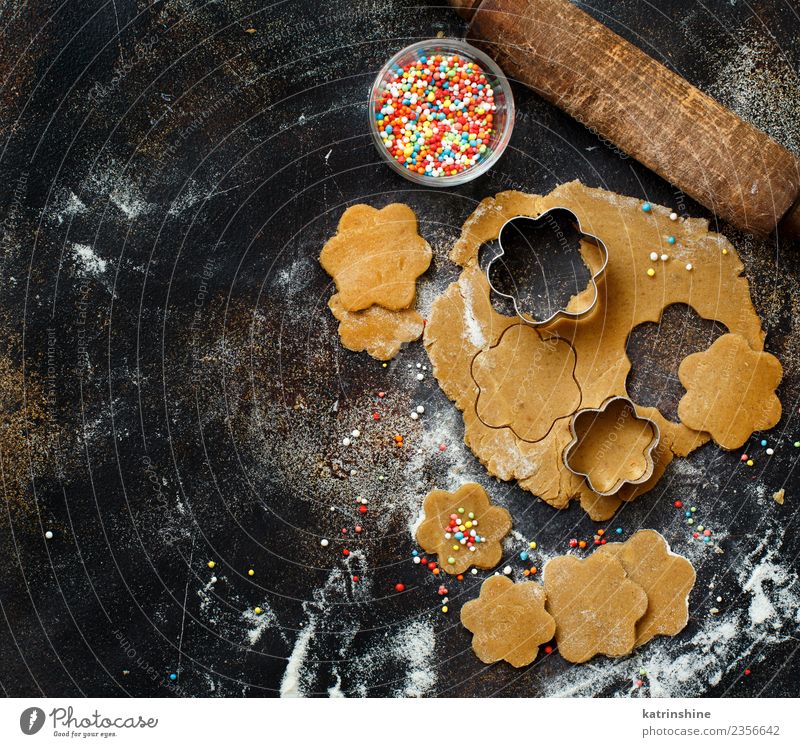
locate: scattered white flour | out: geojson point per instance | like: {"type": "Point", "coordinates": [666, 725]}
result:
{"type": "Point", "coordinates": [414, 646]}
{"type": "Point", "coordinates": [290, 683]}
{"type": "Point", "coordinates": [774, 589]}
{"type": "Point", "coordinates": [65, 206]}
{"type": "Point", "coordinates": [335, 691]}
{"type": "Point", "coordinates": [295, 277]}
{"type": "Point", "coordinates": [90, 263]}
{"type": "Point", "coordinates": [257, 624]}
{"type": "Point", "coordinates": [132, 205]}
{"type": "Point", "coordinates": [476, 336]}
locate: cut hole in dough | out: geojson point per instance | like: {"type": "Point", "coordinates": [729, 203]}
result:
{"type": "Point", "coordinates": [656, 349]}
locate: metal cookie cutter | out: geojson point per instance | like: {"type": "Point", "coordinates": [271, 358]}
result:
{"type": "Point", "coordinates": [589, 465]}
{"type": "Point", "coordinates": [548, 218]}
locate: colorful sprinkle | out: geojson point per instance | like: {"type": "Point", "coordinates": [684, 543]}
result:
{"type": "Point", "coordinates": [435, 115]}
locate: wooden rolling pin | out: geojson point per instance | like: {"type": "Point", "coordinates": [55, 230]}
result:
{"type": "Point", "coordinates": [649, 112]}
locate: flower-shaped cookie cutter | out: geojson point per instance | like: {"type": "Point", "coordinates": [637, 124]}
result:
{"type": "Point", "coordinates": [549, 217]}
{"type": "Point", "coordinates": [592, 470]}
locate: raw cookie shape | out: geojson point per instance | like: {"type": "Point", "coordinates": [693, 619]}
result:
{"type": "Point", "coordinates": [730, 391]}
{"type": "Point", "coordinates": [595, 606]}
{"type": "Point", "coordinates": [508, 621]}
{"type": "Point", "coordinates": [526, 382]}
{"type": "Point", "coordinates": [667, 579]}
{"type": "Point", "coordinates": [612, 446]}
{"type": "Point", "coordinates": [377, 330]}
{"type": "Point", "coordinates": [463, 323]}
{"type": "Point", "coordinates": [376, 257]}
{"type": "Point", "coordinates": [589, 297]}
{"type": "Point", "coordinates": [493, 523]}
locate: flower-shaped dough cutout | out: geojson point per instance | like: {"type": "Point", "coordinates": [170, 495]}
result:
{"type": "Point", "coordinates": [612, 446]}
{"type": "Point", "coordinates": [377, 330]}
{"type": "Point", "coordinates": [549, 226]}
{"type": "Point", "coordinates": [463, 528]}
{"type": "Point", "coordinates": [730, 391]}
{"type": "Point", "coordinates": [376, 257]}
{"type": "Point", "coordinates": [508, 621]}
{"type": "Point", "coordinates": [666, 578]}
{"type": "Point", "coordinates": [595, 606]}
{"type": "Point", "coordinates": [526, 382]}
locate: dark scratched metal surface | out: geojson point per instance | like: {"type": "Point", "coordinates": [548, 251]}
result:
{"type": "Point", "coordinates": [173, 391]}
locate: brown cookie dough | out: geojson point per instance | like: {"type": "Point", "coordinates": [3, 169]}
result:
{"type": "Point", "coordinates": [730, 391]}
{"type": "Point", "coordinates": [475, 513]}
{"type": "Point", "coordinates": [463, 324]}
{"type": "Point", "coordinates": [526, 382]}
{"type": "Point", "coordinates": [666, 578]}
{"type": "Point", "coordinates": [377, 330]}
{"type": "Point", "coordinates": [376, 257]}
{"type": "Point", "coordinates": [508, 621]}
{"type": "Point", "coordinates": [595, 606]}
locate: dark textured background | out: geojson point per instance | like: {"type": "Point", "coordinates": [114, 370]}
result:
{"type": "Point", "coordinates": [173, 390]}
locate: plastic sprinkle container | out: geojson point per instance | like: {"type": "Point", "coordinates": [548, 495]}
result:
{"type": "Point", "coordinates": [441, 112]}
